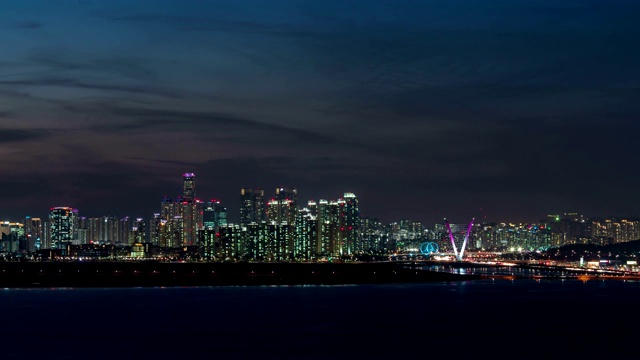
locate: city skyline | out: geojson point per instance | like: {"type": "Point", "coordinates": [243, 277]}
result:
{"type": "Point", "coordinates": [188, 191]}
{"type": "Point", "coordinates": [425, 110]}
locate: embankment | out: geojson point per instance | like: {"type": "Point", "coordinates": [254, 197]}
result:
{"type": "Point", "coordinates": [154, 274]}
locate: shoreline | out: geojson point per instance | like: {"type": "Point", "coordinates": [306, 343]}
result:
{"type": "Point", "coordinates": [165, 274]}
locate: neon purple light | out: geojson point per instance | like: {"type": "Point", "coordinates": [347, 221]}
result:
{"type": "Point", "coordinates": [453, 241]}
{"type": "Point", "coordinates": [466, 237]}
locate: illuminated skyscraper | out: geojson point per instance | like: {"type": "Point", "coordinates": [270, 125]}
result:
{"type": "Point", "coordinates": [291, 194]}
{"type": "Point", "coordinates": [63, 223]}
{"type": "Point", "coordinates": [12, 235]}
{"type": "Point", "coordinates": [305, 235]}
{"type": "Point", "coordinates": [167, 208]}
{"type": "Point", "coordinates": [155, 229]}
{"type": "Point", "coordinates": [189, 209]}
{"type": "Point", "coordinates": [335, 214]}
{"type": "Point", "coordinates": [251, 206]}
{"type": "Point", "coordinates": [221, 213]}
{"type": "Point", "coordinates": [123, 232]}
{"type": "Point", "coordinates": [231, 242]}
{"type": "Point", "coordinates": [373, 236]}
{"type": "Point", "coordinates": [138, 232]}
{"type": "Point", "coordinates": [209, 215]}
{"type": "Point", "coordinates": [189, 186]}
{"type": "Point", "coordinates": [322, 212]}
{"type": "Point", "coordinates": [33, 233]}
{"type": "Point", "coordinates": [180, 220]}
{"type": "Point", "coordinates": [214, 214]}
{"type": "Point", "coordinates": [108, 229]}
{"type": "Point", "coordinates": [281, 211]}
{"type": "Point", "coordinates": [350, 225]}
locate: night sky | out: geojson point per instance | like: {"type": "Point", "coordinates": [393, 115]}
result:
{"type": "Point", "coordinates": [499, 110]}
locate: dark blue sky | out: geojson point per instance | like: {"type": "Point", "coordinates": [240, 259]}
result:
{"type": "Point", "coordinates": [499, 110]}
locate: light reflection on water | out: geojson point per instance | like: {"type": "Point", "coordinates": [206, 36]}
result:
{"type": "Point", "coordinates": [495, 270]}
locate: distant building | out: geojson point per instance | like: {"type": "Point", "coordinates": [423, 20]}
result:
{"type": "Point", "coordinates": [305, 236]}
{"type": "Point", "coordinates": [283, 207]}
{"type": "Point", "coordinates": [322, 213]}
{"type": "Point", "coordinates": [189, 186]}
{"type": "Point", "coordinates": [252, 206]}
{"type": "Point", "coordinates": [350, 225]}
{"type": "Point", "coordinates": [179, 220]}
{"type": "Point", "coordinates": [138, 232]}
{"type": "Point", "coordinates": [220, 213]}
{"type": "Point", "coordinates": [12, 237]}
{"type": "Point", "coordinates": [63, 222]}
{"type": "Point", "coordinates": [154, 229]}
{"type": "Point", "coordinates": [33, 233]}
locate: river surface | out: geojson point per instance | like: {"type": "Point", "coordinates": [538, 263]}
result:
{"type": "Point", "coordinates": [394, 321]}
{"type": "Point", "coordinates": [498, 270]}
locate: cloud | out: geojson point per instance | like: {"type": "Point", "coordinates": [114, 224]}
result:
{"type": "Point", "coordinates": [217, 24]}
{"type": "Point", "coordinates": [421, 108]}
{"type": "Point", "coordinates": [21, 135]}
{"type": "Point", "coordinates": [141, 119]}
{"type": "Point", "coordinates": [72, 83]}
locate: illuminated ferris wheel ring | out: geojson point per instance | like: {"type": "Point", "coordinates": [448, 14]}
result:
{"type": "Point", "coordinates": [428, 248]}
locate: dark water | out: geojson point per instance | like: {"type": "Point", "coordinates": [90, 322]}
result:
{"type": "Point", "coordinates": [497, 319]}
{"type": "Point", "coordinates": [502, 270]}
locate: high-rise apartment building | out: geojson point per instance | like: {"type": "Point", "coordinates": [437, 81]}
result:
{"type": "Point", "coordinates": [138, 232]}
{"type": "Point", "coordinates": [322, 212]}
{"type": "Point", "coordinates": [305, 236]}
{"type": "Point", "coordinates": [252, 206]}
{"type": "Point", "coordinates": [125, 225]}
{"type": "Point", "coordinates": [374, 236]}
{"type": "Point", "coordinates": [290, 194]}
{"type": "Point", "coordinates": [167, 208]}
{"type": "Point", "coordinates": [108, 229]}
{"type": "Point", "coordinates": [209, 215]}
{"type": "Point", "coordinates": [63, 223]}
{"type": "Point", "coordinates": [350, 225]}
{"type": "Point", "coordinates": [221, 213]}
{"type": "Point", "coordinates": [189, 186]}
{"type": "Point", "coordinates": [189, 210]}
{"type": "Point", "coordinates": [283, 207]}
{"type": "Point", "coordinates": [180, 219]}
{"type": "Point", "coordinates": [12, 237]}
{"type": "Point", "coordinates": [214, 214]}
{"type": "Point", "coordinates": [281, 211]}
{"type": "Point", "coordinates": [33, 233]}
{"type": "Point", "coordinates": [155, 229]}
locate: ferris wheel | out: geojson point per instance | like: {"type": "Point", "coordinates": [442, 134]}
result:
{"type": "Point", "coordinates": [427, 248]}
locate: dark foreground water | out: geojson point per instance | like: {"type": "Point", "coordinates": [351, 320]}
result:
{"type": "Point", "coordinates": [483, 319]}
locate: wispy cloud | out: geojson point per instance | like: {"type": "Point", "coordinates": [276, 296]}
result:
{"type": "Point", "coordinates": [20, 135]}
{"type": "Point", "coordinates": [72, 83]}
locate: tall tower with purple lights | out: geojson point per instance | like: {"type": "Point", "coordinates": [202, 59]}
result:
{"type": "Point", "coordinates": [189, 186]}
{"type": "Point", "coordinates": [189, 213]}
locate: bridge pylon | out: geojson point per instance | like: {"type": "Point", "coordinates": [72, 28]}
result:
{"type": "Point", "coordinates": [459, 255]}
